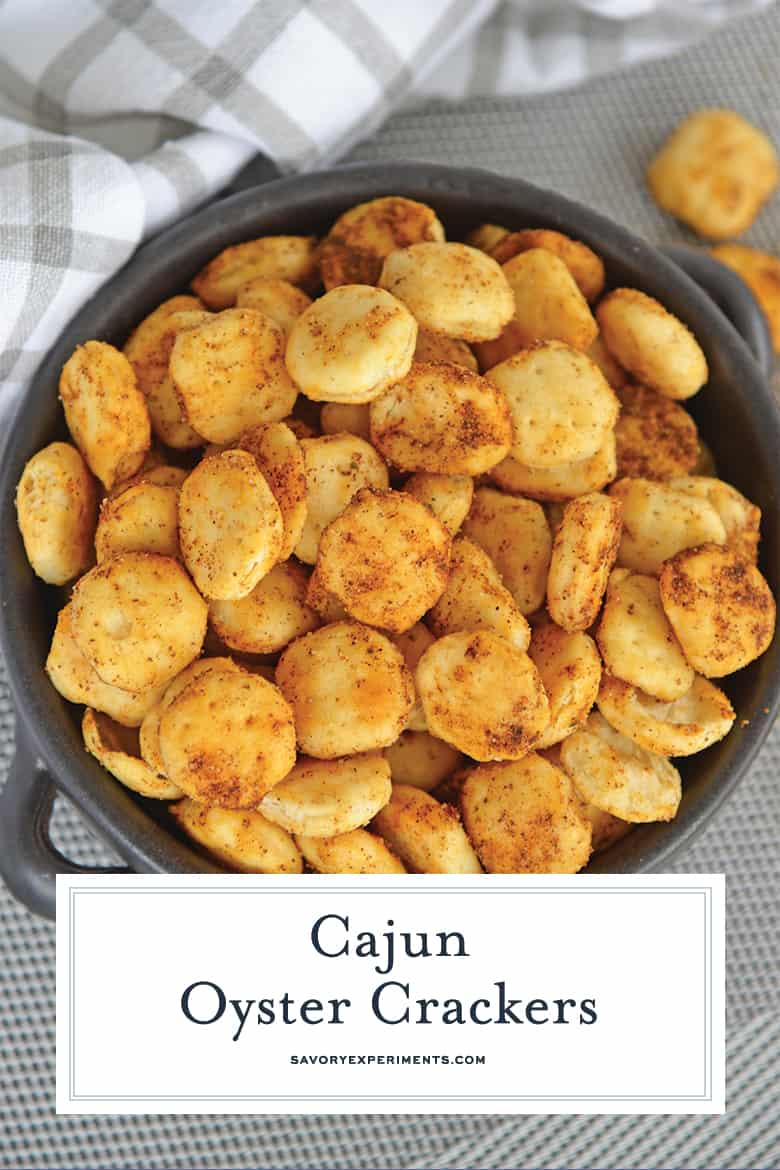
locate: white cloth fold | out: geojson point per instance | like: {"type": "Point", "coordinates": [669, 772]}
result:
{"type": "Point", "coordinates": [118, 117]}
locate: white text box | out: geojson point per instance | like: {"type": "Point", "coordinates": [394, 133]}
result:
{"type": "Point", "coordinates": [583, 994]}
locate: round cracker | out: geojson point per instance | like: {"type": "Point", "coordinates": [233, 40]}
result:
{"type": "Point", "coordinates": [660, 520]}
{"type": "Point", "coordinates": [605, 829]}
{"type": "Point", "coordinates": [516, 536]}
{"type": "Point", "coordinates": [451, 289]}
{"type": "Point", "coordinates": [227, 738]}
{"type": "Point", "coordinates": [652, 344]}
{"type": "Point", "coordinates": [105, 411]}
{"type": "Point", "coordinates": [564, 482]}
{"type": "Point", "coordinates": [357, 243]}
{"type": "Point", "coordinates": [420, 759]}
{"type": "Point", "coordinates": [56, 507]}
{"type": "Point", "coordinates": [719, 606]}
{"type": "Point", "coordinates": [618, 776]}
{"type": "Point", "coordinates": [448, 496]}
{"type": "Point", "coordinates": [351, 344]}
{"type": "Point", "coordinates": [229, 374]}
{"type": "Point", "coordinates": [413, 643]}
{"type": "Point", "coordinates": [162, 474]}
{"type": "Point", "coordinates": [636, 640]}
{"type": "Point", "coordinates": [355, 852]}
{"type": "Point", "coordinates": [75, 678]}
{"type": "Point", "coordinates": [524, 817]}
{"type": "Point", "coordinates": [278, 299]}
{"type": "Point", "coordinates": [435, 347]}
{"type": "Point", "coordinates": [511, 340]}
{"type": "Point", "coordinates": [385, 558]}
{"type": "Point", "coordinates": [485, 236]}
{"type": "Point", "coordinates": [242, 839]}
{"type": "Point", "coordinates": [149, 733]}
{"type": "Point", "coordinates": [426, 835]}
{"type": "Point", "coordinates": [610, 368]}
{"type": "Point", "coordinates": [138, 619]}
{"type": "Point", "coordinates": [548, 303]}
{"type": "Point", "coordinates": [482, 695]}
{"type": "Point", "coordinates": [230, 525]}
{"type": "Point", "coordinates": [562, 406]}
{"type": "Point", "coordinates": [656, 437]}
{"type": "Point", "coordinates": [714, 172]}
{"type": "Point", "coordinates": [349, 689]}
{"type": "Point", "coordinates": [325, 604]}
{"type": "Point", "coordinates": [336, 468]}
{"type": "Point", "coordinates": [143, 518]}
{"type": "Point", "coordinates": [585, 266]}
{"type": "Point", "coordinates": [271, 616]}
{"type": "Point", "coordinates": [279, 457]}
{"type": "Point", "coordinates": [740, 518]}
{"type": "Point", "coordinates": [476, 599]}
{"type": "Point", "coordinates": [761, 273]}
{"type": "Point", "coordinates": [291, 258]}
{"type": "Point", "coordinates": [441, 418]}
{"type": "Point", "coordinates": [570, 669]}
{"type": "Point", "coordinates": [148, 349]}
{"type": "Point", "coordinates": [583, 553]}
{"type": "Point", "coordinates": [695, 721]}
{"type": "Point", "coordinates": [323, 798]}
{"type": "Point", "coordinates": [116, 748]}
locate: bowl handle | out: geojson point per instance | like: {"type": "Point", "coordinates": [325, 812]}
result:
{"type": "Point", "coordinates": [29, 862]}
{"type": "Point", "coordinates": [733, 298]}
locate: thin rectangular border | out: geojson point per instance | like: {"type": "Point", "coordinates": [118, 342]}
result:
{"type": "Point", "coordinates": [707, 1096]}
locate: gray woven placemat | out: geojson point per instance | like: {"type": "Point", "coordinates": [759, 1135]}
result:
{"type": "Point", "coordinates": [592, 144]}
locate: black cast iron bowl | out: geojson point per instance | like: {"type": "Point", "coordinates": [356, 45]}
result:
{"type": "Point", "coordinates": [735, 413]}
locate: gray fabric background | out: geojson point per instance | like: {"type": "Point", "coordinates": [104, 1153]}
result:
{"type": "Point", "coordinates": [591, 143]}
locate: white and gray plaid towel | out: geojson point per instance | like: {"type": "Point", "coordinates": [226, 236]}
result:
{"type": "Point", "coordinates": [119, 116]}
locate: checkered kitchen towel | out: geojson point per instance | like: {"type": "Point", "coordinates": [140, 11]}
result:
{"type": "Point", "coordinates": [119, 116]}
